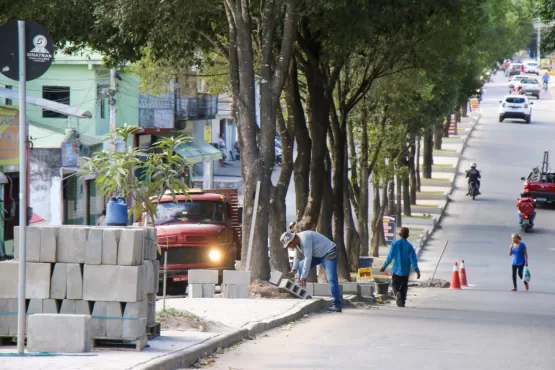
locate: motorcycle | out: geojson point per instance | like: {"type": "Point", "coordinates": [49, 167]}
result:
{"type": "Point", "coordinates": [526, 224]}
{"type": "Point", "coordinates": [473, 190]}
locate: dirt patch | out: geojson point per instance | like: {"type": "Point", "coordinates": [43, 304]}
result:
{"type": "Point", "coordinates": [179, 320]}
{"type": "Point", "coordinates": [436, 283]}
{"type": "Point", "coordinates": [263, 289]}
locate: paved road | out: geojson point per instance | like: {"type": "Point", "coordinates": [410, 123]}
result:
{"type": "Point", "coordinates": [485, 327]}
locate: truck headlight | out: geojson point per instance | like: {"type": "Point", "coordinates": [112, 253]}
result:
{"type": "Point", "coordinates": [215, 255]}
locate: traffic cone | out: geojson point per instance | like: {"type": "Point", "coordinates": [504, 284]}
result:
{"type": "Point", "coordinates": [455, 280]}
{"type": "Point", "coordinates": [463, 275]}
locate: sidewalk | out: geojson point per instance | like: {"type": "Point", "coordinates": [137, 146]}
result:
{"type": "Point", "coordinates": [229, 321]}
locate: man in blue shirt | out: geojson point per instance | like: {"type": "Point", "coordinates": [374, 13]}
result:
{"type": "Point", "coordinates": [403, 255]}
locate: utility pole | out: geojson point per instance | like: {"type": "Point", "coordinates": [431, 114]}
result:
{"type": "Point", "coordinates": [112, 103]}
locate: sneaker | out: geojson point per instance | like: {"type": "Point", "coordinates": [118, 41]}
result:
{"type": "Point", "coordinates": [527, 286]}
{"type": "Point", "coordinates": [399, 300]}
{"type": "Point", "coordinates": [334, 308]}
{"type": "Point", "coordinates": [513, 290]}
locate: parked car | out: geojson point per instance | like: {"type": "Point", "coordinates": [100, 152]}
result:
{"type": "Point", "coordinates": [531, 86]}
{"type": "Point", "coordinates": [532, 67]}
{"type": "Point", "coordinates": [515, 106]}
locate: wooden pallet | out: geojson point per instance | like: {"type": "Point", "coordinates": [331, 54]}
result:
{"type": "Point", "coordinates": [153, 330]}
{"type": "Point", "coordinates": [112, 342]}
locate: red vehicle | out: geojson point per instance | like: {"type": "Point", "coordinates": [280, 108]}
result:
{"type": "Point", "coordinates": [541, 183]}
{"type": "Point", "coordinates": [202, 230]}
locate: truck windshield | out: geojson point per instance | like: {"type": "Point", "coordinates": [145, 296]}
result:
{"type": "Point", "coordinates": [190, 211]}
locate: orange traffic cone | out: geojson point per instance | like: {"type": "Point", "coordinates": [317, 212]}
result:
{"type": "Point", "coordinates": [463, 275]}
{"type": "Point", "coordinates": [455, 281]}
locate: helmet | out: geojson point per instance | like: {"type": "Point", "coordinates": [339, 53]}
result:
{"type": "Point", "coordinates": [524, 194]}
{"type": "Point", "coordinates": [473, 165]}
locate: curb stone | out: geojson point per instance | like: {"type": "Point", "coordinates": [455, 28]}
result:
{"type": "Point", "coordinates": [189, 356]}
{"type": "Point", "coordinates": [426, 234]}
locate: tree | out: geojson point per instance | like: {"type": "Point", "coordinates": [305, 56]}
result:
{"type": "Point", "coordinates": [143, 177]}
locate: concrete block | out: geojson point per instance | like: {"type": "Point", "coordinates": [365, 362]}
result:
{"type": "Point", "coordinates": [130, 248]}
{"type": "Point", "coordinates": [148, 277]}
{"type": "Point", "coordinates": [58, 283]}
{"type": "Point", "coordinates": [195, 290]}
{"type": "Point", "coordinates": [237, 277]}
{"type": "Point", "coordinates": [275, 277]}
{"type": "Point", "coordinates": [68, 307]}
{"type": "Point", "coordinates": [12, 309]}
{"type": "Point", "coordinates": [208, 290]}
{"type": "Point", "coordinates": [135, 319]}
{"type": "Point", "coordinates": [112, 283]}
{"type": "Point", "coordinates": [33, 244]}
{"type": "Point", "coordinates": [114, 323]}
{"type": "Point", "coordinates": [48, 243]}
{"type": "Point", "coordinates": [366, 290]}
{"type": "Point", "coordinates": [80, 235]}
{"type": "Point", "coordinates": [156, 270]}
{"type": "Point", "coordinates": [99, 282]}
{"type": "Point", "coordinates": [64, 250]}
{"type": "Point", "coordinates": [243, 291]}
{"type": "Point", "coordinates": [151, 311]}
{"type": "Point", "coordinates": [82, 307]}
{"type": "Point", "coordinates": [37, 284]}
{"type": "Point", "coordinates": [110, 239]}
{"type": "Point", "coordinates": [294, 289]}
{"type": "Point", "coordinates": [310, 288]}
{"type": "Point", "coordinates": [100, 312]}
{"type": "Point", "coordinates": [350, 288]}
{"type": "Point", "coordinates": [74, 281]}
{"type": "Point", "coordinates": [93, 250]}
{"type": "Point", "coordinates": [59, 333]}
{"type": "Point", "coordinates": [203, 276]}
{"type": "Point", "coordinates": [141, 288]}
{"type": "Point", "coordinates": [150, 244]}
{"type": "Point", "coordinates": [35, 306]}
{"type": "Point", "coordinates": [5, 316]}
{"type": "Point", "coordinates": [324, 290]}
{"type": "Point", "coordinates": [229, 290]}
{"type": "Point", "coordinates": [50, 306]}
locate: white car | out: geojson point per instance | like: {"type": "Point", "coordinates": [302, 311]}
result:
{"type": "Point", "coordinates": [515, 81]}
{"type": "Point", "coordinates": [515, 106]}
{"type": "Point", "coordinates": [532, 67]}
{"type": "Point", "coordinates": [531, 86]}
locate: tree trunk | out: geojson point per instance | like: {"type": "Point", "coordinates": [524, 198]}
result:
{"type": "Point", "coordinates": [301, 171]}
{"type": "Point", "coordinates": [406, 196]}
{"type": "Point", "coordinates": [464, 109]}
{"type": "Point", "coordinates": [352, 238]}
{"type": "Point", "coordinates": [363, 196]}
{"type": "Point", "coordinates": [418, 182]}
{"type": "Point", "coordinates": [428, 154]}
{"type": "Point", "coordinates": [391, 209]}
{"type": "Point", "coordinates": [399, 206]}
{"type": "Point", "coordinates": [445, 128]}
{"type": "Point", "coordinates": [438, 135]}
{"type": "Point", "coordinates": [412, 171]}
{"type": "Point", "coordinates": [377, 219]}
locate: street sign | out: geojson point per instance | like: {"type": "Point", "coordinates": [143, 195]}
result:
{"type": "Point", "coordinates": [39, 50]}
{"type": "Point", "coordinates": [389, 229]}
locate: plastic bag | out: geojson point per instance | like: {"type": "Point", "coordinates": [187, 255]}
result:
{"type": "Point", "coordinates": [526, 277]}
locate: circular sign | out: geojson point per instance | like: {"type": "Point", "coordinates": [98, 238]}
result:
{"type": "Point", "coordinates": [39, 50]}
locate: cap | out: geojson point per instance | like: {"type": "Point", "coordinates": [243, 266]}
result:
{"type": "Point", "coordinates": [286, 238]}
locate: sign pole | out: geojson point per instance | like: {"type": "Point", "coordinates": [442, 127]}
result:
{"type": "Point", "coordinates": [22, 189]}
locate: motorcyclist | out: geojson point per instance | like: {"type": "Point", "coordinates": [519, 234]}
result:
{"type": "Point", "coordinates": [520, 90]}
{"type": "Point", "coordinates": [526, 206]}
{"type": "Point", "coordinates": [473, 175]}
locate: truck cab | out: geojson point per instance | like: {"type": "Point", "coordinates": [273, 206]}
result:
{"type": "Point", "coordinates": [200, 230]}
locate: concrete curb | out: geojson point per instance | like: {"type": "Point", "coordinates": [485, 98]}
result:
{"type": "Point", "coordinates": [426, 234]}
{"type": "Point", "coordinates": [189, 356]}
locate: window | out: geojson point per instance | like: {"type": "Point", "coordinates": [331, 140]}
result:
{"type": "Point", "coordinates": [515, 100]}
{"type": "Point", "coordinates": [190, 211]}
{"type": "Point", "coordinates": [8, 101]}
{"type": "Point", "coordinates": [59, 94]}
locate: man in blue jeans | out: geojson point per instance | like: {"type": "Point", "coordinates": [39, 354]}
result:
{"type": "Point", "coordinates": [403, 255]}
{"type": "Point", "coordinates": [317, 249]}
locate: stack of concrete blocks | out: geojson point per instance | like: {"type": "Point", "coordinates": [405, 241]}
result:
{"type": "Point", "coordinates": [235, 284]}
{"type": "Point", "coordinates": [109, 273]}
{"type": "Point", "coordinates": [55, 333]}
{"type": "Point", "coordinates": [294, 289]}
{"type": "Point", "coordinates": [202, 283]}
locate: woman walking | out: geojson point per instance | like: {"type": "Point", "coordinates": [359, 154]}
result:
{"type": "Point", "coordinates": [520, 259]}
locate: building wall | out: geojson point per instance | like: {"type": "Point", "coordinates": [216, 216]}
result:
{"type": "Point", "coordinates": [45, 190]}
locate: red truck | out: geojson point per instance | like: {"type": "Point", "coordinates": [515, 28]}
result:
{"type": "Point", "coordinates": [202, 230]}
{"type": "Point", "coordinates": [541, 183]}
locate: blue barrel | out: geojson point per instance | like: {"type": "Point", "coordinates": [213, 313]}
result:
{"type": "Point", "coordinates": [365, 262]}
{"type": "Point", "coordinates": [116, 212]}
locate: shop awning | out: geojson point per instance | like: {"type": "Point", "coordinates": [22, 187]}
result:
{"type": "Point", "coordinates": [196, 151]}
